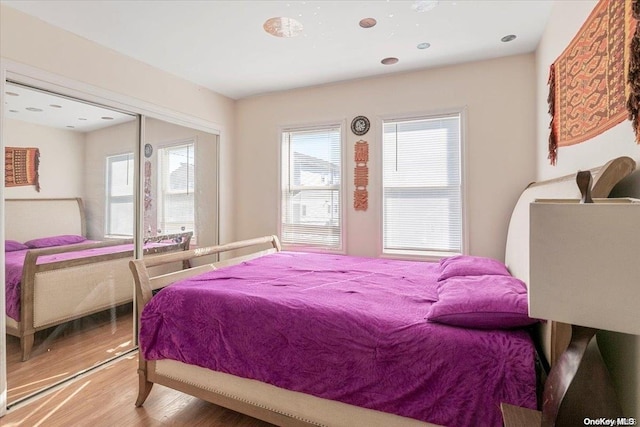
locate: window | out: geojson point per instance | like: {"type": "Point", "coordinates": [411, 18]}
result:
{"type": "Point", "coordinates": [176, 176]}
{"type": "Point", "coordinates": [120, 183]}
{"type": "Point", "coordinates": [422, 186]}
{"type": "Point", "coordinates": [311, 187]}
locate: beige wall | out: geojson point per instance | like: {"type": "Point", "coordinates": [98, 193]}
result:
{"type": "Point", "coordinates": [61, 159]}
{"type": "Point", "coordinates": [30, 41]}
{"type": "Point", "coordinates": [499, 97]}
{"type": "Point", "coordinates": [621, 351]}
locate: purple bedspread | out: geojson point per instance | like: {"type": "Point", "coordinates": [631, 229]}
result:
{"type": "Point", "coordinates": [343, 328]}
{"type": "Point", "coordinates": [15, 260]}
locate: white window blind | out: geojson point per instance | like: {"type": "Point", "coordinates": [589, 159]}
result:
{"type": "Point", "coordinates": [422, 186]}
{"type": "Point", "coordinates": [311, 187]}
{"type": "Point", "coordinates": [176, 205]}
{"type": "Point", "coordinates": [119, 203]}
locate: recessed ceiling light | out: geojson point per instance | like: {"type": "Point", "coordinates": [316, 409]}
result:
{"type": "Point", "coordinates": [71, 127]}
{"type": "Point", "coordinates": [282, 27]}
{"type": "Point", "coordinates": [424, 46]}
{"type": "Point", "coordinates": [81, 118]}
{"type": "Point", "coordinates": [12, 94]}
{"type": "Point", "coordinates": [55, 106]}
{"type": "Point", "coordinates": [508, 38]}
{"type": "Point", "coordinates": [13, 111]}
{"type": "Point", "coordinates": [367, 22]}
{"type": "Point", "coordinates": [424, 5]}
{"type": "Point", "coordinates": [106, 118]}
{"type": "Point", "coordinates": [389, 61]}
{"type": "Point", "coordinates": [37, 110]}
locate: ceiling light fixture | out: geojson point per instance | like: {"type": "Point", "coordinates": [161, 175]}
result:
{"type": "Point", "coordinates": [12, 94]}
{"type": "Point", "coordinates": [367, 22]}
{"type": "Point", "coordinates": [424, 46]}
{"type": "Point", "coordinates": [389, 61]}
{"type": "Point", "coordinates": [37, 110]}
{"type": "Point", "coordinates": [424, 5]}
{"type": "Point", "coordinates": [106, 118]}
{"type": "Point", "coordinates": [282, 27]}
{"type": "Point", "coordinates": [508, 38]}
{"type": "Point", "coordinates": [55, 106]}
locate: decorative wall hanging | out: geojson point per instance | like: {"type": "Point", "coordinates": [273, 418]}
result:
{"type": "Point", "coordinates": [633, 74]}
{"type": "Point", "coordinates": [361, 176]}
{"type": "Point", "coordinates": [587, 84]}
{"type": "Point", "coordinates": [360, 125]}
{"type": "Point", "coordinates": [21, 167]}
{"type": "Point", "coordinates": [147, 186]}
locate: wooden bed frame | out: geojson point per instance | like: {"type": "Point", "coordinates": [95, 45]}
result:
{"type": "Point", "coordinates": [288, 408]}
{"type": "Point", "coordinates": [58, 292]}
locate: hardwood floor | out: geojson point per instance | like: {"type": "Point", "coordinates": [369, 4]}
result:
{"type": "Point", "coordinates": [105, 398]}
{"type": "Point", "coordinates": [64, 350]}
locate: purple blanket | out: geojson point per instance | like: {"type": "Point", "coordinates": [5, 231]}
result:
{"type": "Point", "coordinates": [342, 328]}
{"type": "Point", "coordinates": [15, 260]}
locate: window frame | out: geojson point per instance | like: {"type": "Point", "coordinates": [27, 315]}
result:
{"type": "Point", "coordinates": [461, 112]}
{"type": "Point", "coordinates": [108, 198]}
{"type": "Point", "coordinates": [160, 183]}
{"type": "Point", "coordinates": [342, 188]}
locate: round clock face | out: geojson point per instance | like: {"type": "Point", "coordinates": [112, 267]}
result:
{"type": "Point", "coordinates": [148, 150]}
{"type": "Point", "coordinates": [360, 125]}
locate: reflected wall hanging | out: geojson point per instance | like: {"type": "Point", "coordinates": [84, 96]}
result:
{"type": "Point", "coordinates": [21, 166]}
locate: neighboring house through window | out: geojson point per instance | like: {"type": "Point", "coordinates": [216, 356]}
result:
{"type": "Point", "coordinates": [422, 186]}
{"type": "Point", "coordinates": [312, 192]}
{"type": "Point", "coordinates": [176, 195]}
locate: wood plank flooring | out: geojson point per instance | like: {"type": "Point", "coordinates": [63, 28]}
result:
{"type": "Point", "coordinates": [105, 398]}
{"type": "Point", "coordinates": [67, 349]}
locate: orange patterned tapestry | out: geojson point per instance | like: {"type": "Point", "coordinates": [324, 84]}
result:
{"type": "Point", "coordinates": [588, 90]}
{"type": "Point", "coordinates": [21, 167]}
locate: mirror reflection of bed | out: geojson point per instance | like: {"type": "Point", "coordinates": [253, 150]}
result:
{"type": "Point", "coordinates": [69, 136]}
{"type": "Point", "coordinates": [87, 164]}
{"type": "Point", "coordinates": [64, 291]}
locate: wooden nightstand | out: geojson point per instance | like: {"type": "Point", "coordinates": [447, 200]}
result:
{"type": "Point", "coordinates": [515, 416]}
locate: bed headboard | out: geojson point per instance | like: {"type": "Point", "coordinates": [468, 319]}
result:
{"type": "Point", "coordinates": [27, 219]}
{"type": "Point", "coordinates": [554, 336]}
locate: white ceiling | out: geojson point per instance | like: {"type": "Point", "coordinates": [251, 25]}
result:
{"type": "Point", "coordinates": [47, 109]}
{"type": "Point", "coordinates": [221, 45]}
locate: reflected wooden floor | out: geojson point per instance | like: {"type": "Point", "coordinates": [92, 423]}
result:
{"type": "Point", "coordinates": [67, 349]}
{"type": "Point", "coordinates": [106, 398]}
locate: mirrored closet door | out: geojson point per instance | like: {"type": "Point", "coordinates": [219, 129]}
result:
{"type": "Point", "coordinates": [69, 225]}
{"type": "Point", "coordinates": [73, 180]}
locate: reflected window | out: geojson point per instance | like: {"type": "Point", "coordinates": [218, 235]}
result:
{"type": "Point", "coordinates": [119, 203]}
{"type": "Point", "coordinates": [176, 205]}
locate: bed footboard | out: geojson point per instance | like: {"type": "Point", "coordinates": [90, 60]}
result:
{"type": "Point", "coordinates": [145, 283]}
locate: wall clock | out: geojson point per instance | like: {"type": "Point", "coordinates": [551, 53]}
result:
{"type": "Point", "coordinates": [148, 150]}
{"type": "Point", "coordinates": [360, 125]}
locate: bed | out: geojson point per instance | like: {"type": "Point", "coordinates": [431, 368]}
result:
{"type": "Point", "coordinates": [60, 276]}
{"type": "Point", "coordinates": [246, 370]}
